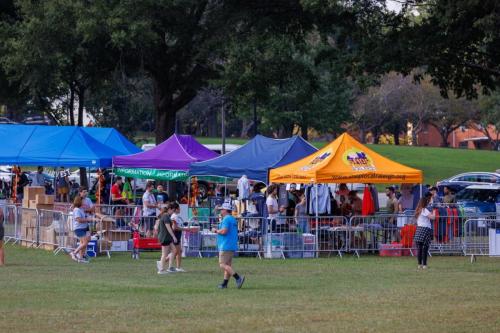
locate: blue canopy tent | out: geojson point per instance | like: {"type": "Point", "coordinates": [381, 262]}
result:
{"type": "Point", "coordinates": [53, 146]}
{"type": "Point", "coordinates": [255, 158]}
{"type": "Point", "coordinates": [112, 138]}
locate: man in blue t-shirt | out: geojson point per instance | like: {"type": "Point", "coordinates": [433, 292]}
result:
{"type": "Point", "coordinates": [227, 242]}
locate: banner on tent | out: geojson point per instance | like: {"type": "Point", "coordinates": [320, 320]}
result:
{"type": "Point", "coordinates": [152, 174]}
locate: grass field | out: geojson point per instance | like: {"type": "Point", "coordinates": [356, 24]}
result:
{"type": "Point", "coordinates": [45, 293]}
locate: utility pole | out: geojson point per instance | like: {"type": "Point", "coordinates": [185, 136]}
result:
{"type": "Point", "coordinates": [254, 117]}
{"type": "Point", "coordinates": [223, 131]}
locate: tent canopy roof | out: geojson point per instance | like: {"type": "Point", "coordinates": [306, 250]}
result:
{"type": "Point", "coordinates": [52, 146]}
{"type": "Point", "coordinates": [112, 138]}
{"type": "Point", "coordinates": [345, 160]}
{"type": "Point", "coordinates": [175, 153]}
{"type": "Point", "coordinates": [255, 158]}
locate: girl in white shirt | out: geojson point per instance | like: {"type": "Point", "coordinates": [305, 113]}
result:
{"type": "Point", "coordinates": [178, 227]}
{"type": "Point", "coordinates": [423, 236]}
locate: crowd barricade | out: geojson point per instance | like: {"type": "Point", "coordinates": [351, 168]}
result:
{"type": "Point", "coordinates": [28, 226]}
{"type": "Point", "coordinates": [283, 237]}
{"type": "Point", "coordinates": [51, 227]}
{"type": "Point", "coordinates": [476, 240]}
{"type": "Point", "coordinates": [385, 234]}
{"type": "Point", "coordinates": [10, 223]}
{"type": "Point", "coordinates": [114, 210]}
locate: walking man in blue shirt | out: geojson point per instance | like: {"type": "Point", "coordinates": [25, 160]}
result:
{"type": "Point", "coordinates": [227, 242]}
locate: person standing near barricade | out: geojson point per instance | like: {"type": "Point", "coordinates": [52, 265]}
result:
{"type": "Point", "coordinates": [167, 238]}
{"type": "Point", "coordinates": [2, 255]}
{"type": "Point", "coordinates": [149, 209]}
{"type": "Point", "coordinates": [63, 185]}
{"type": "Point", "coordinates": [423, 235]}
{"type": "Point", "coordinates": [227, 242]}
{"type": "Point", "coordinates": [178, 227]}
{"type": "Point", "coordinates": [81, 230]}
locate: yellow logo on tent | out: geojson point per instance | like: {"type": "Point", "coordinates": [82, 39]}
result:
{"type": "Point", "coordinates": [317, 161]}
{"type": "Point", "coordinates": [358, 160]}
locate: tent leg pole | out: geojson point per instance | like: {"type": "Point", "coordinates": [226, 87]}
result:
{"type": "Point", "coordinates": [112, 180]}
{"type": "Point", "coordinates": [189, 190]}
{"type": "Point", "coordinates": [317, 222]}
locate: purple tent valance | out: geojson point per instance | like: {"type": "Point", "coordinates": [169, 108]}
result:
{"type": "Point", "coordinates": [175, 153]}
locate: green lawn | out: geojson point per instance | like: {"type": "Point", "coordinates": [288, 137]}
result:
{"type": "Point", "coordinates": [45, 293]}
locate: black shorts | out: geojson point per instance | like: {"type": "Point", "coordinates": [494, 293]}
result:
{"type": "Point", "coordinates": [1, 231]}
{"type": "Point", "coordinates": [167, 242]}
{"type": "Point", "coordinates": [178, 235]}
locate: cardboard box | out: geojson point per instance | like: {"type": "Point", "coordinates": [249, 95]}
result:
{"type": "Point", "coordinates": [44, 199]}
{"type": "Point", "coordinates": [47, 235]}
{"type": "Point", "coordinates": [28, 218]}
{"type": "Point", "coordinates": [26, 203]}
{"type": "Point", "coordinates": [119, 246]}
{"type": "Point", "coordinates": [116, 235]}
{"type": "Point", "coordinates": [106, 224]}
{"type": "Point", "coordinates": [43, 207]}
{"type": "Point", "coordinates": [30, 192]}
{"type": "Point", "coordinates": [104, 245]}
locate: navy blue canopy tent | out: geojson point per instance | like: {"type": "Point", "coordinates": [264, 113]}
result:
{"type": "Point", "coordinates": [52, 146]}
{"type": "Point", "coordinates": [255, 158]}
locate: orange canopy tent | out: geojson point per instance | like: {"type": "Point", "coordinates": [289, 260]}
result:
{"type": "Point", "coordinates": [345, 160]}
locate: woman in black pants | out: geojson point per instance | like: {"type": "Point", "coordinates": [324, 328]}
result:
{"type": "Point", "coordinates": [423, 236]}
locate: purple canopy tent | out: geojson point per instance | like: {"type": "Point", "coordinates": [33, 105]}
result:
{"type": "Point", "coordinates": [168, 161]}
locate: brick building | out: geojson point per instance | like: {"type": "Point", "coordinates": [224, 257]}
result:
{"type": "Point", "coordinates": [468, 137]}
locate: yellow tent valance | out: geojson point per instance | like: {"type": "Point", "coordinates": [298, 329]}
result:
{"type": "Point", "coordinates": [345, 160]}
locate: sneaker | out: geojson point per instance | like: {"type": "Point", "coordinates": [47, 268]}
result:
{"type": "Point", "coordinates": [424, 267]}
{"type": "Point", "coordinates": [179, 269]}
{"type": "Point", "coordinates": [73, 256]}
{"type": "Point", "coordinates": [171, 270]}
{"type": "Point", "coordinates": [239, 282]}
{"type": "Point", "coordinates": [222, 286]}
{"type": "Point", "coordinates": [158, 265]}
{"type": "Point", "coordinates": [83, 261]}
{"type": "Point", "coordinates": [165, 271]}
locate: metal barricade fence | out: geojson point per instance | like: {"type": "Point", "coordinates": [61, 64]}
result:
{"type": "Point", "coordinates": [10, 224]}
{"type": "Point", "coordinates": [272, 238]}
{"type": "Point", "coordinates": [28, 225]}
{"type": "Point", "coordinates": [369, 234]}
{"type": "Point", "coordinates": [477, 236]}
{"type": "Point", "coordinates": [449, 230]}
{"type": "Point", "coordinates": [50, 227]}
{"type": "Point", "coordinates": [114, 210]}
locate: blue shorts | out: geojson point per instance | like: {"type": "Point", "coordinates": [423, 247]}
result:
{"type": "Point", "coordinates": [81, 232]}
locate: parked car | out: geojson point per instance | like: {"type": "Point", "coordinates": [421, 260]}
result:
{"type": "Point", "coordinates": [461, 181]}
{"type": "Point", "coordinates": [5, 120]}
{"type": "Point", "coordinates": [218, 147]}
{"type": "Point", "coordinates": [148, 146]}
{"type": "Point", "coordinates": [37, 120]}
{"type": "Point", "coordinates": [479, 198]}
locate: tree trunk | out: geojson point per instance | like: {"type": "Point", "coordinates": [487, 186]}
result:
{"type": "Point", "coordinates": [72, 106]}
{"type": "Point", "coordinates": [396, 134]}
{"type": "Point", "coordinates": [444, 138]}
{"type": "Point", "coordinates": [164, 113]}
{"type": "Point", "coordinates": [362, 135]}
{"type": "Point", "coordinates": [376, 135]}
{"type": "Point", "coordinates": [81, 103]}
{"type": "Point", "coordinates": [165, 122]}
{"type": "Point", "coordinates": [303, 132]}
